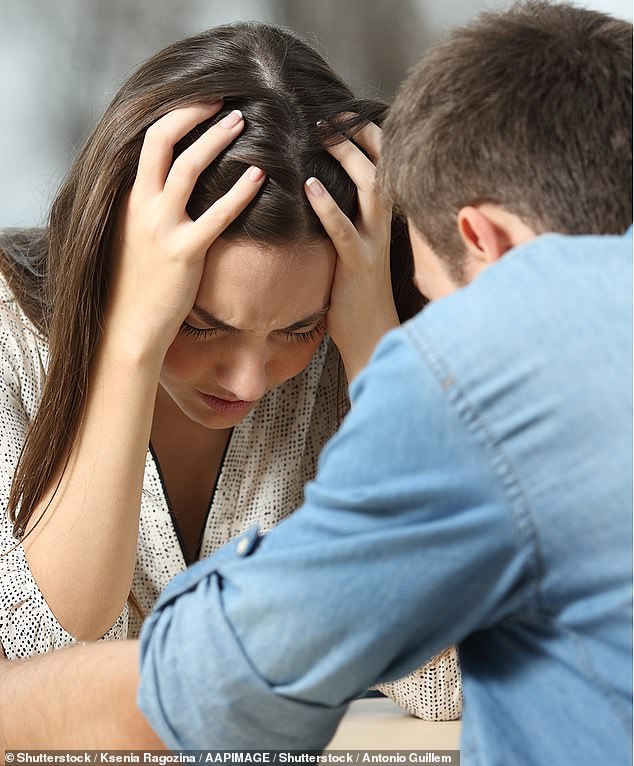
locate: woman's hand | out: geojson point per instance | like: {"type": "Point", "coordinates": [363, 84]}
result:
{"type": "Point", "coordinates": [161, 252]}
{"type": "Point", "coordinates": [361, 304]}
{"type": "Point", "coordinates": [92, 502]}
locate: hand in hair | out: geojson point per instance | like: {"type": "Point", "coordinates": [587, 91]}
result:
{"type": "Point", "coordinates": [362, 306]}
{"type": "Point", "coordinates": [94, 492]}
{"type": "Point", "coordinates": [161, 252]}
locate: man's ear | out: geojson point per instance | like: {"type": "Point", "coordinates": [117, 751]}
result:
{"type": "Point", "coordinates": [485, 237]}
{"type": "Point", "coordinates": [488, 231]}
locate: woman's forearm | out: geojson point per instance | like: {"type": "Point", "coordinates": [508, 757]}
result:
{"type": "Point", "coordinates": [79, 697]}
{"type": "Point", "coordinates": [82, 554]}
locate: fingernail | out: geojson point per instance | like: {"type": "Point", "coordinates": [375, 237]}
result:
{"type": "Point", "coordinates": [232, 119]}
{"type": "Point", "coordinates": [255, 174]}
{"type": "Point", "coordinates": [314, 187]}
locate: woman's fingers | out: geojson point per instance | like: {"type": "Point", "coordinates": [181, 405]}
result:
{"type": "Point", "coordinates": [163, 186]}
{"type": "Point", "coordinates": [184, 173]}
{"type": "Point", "coordinates": [369, 138]}
{"type": "Point", "coordinates": [360, 168]}
{"type": "Point", "coordinates": [338, 226]}
{"type": "Point", "coordinates": [158, 145]}
{"type": "Point", "coordinates": [215, 220]}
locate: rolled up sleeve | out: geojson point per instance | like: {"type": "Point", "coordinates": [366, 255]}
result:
{"type": "Point", "coordinates": [199, 688]}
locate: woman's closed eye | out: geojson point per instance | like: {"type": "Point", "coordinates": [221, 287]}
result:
{"type": "Point", "coordinates": [305, 336]}
{"type": "Point", "coordinates": [199, 332]}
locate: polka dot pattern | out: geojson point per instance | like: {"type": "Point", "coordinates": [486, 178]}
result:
{"type": "Point", "coordinates": [433, 692]}
{"type": "Point", "coordinates": [272, 453]}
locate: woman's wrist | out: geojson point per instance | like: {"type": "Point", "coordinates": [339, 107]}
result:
{"type": "Point", "coordinates": [134, 351]}
{"type": "Point", "coordinates": [356, 354]}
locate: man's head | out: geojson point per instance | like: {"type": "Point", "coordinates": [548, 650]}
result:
{"type": "Point", "coordinates": [517, 124]}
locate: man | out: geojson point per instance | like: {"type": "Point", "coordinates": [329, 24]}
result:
{"type": "Point", "coordinates": [479, 492]}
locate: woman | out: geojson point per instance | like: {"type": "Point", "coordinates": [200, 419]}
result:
{"type": "Point", "coordinates": [180, 298]}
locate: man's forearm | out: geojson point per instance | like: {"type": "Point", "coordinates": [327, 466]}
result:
{"type": "Point", "coordinates": [80, 697]}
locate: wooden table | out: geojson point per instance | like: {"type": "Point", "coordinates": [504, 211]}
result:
{"type": "Point", "coordinates": [378, 724]}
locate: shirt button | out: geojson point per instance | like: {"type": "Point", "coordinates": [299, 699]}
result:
{"type": "Point", "coordinates": [247, 542]}
{"type": "Point", "coordinates": [243, 545]}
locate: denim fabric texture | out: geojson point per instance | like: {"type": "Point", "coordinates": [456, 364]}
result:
{"type": "Point", "coordinates": [479, 493]}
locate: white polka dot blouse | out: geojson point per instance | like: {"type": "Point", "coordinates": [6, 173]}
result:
{"type": "Point", "coordinates": [272, 453]}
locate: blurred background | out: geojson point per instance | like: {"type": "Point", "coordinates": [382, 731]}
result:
{"type": "Point", "coordinates": [63, 60]}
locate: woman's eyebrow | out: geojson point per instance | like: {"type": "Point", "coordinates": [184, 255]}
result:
{"type": "Point", "coordinates": [210, 319]}
{"type": "Point", "coordinates": [309, 320]}
{"type": "Point", "coordinates": [213, 321]}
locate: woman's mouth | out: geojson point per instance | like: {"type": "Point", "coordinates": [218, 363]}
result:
{"type": "Point", "coordinates": [225, 406]}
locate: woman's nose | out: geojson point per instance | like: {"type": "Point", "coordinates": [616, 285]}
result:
{"type": "Point", "coordinates": [243, 374]}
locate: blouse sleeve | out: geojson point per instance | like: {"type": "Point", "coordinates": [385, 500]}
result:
{"type": "Point", "coordinates": [433, 692]}
{"type": "Point", "coordinates": [27, 624]}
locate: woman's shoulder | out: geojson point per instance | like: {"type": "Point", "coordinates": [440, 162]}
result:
{"type": "Point", "coordinates": [14, 320]}
{"type": "Point", "coordinates": [7, 299]}
{"type": "Point", "coordinates": [23, 255]}
{"type": "Point", "coordinates": [20, 262]}
{"type": "Point", "coordinates": [23, 350]}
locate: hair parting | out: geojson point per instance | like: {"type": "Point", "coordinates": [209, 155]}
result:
{"type": "Point", "coordinates": [61, 275]}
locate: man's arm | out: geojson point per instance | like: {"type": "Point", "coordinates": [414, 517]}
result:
{"type": "Point", "coordinates": [404, 545]}
{"type": "Point", "coordinates": [79, 697]}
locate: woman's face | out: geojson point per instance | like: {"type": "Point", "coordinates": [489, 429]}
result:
{"type": "Point", "coordinates": [257, 321]}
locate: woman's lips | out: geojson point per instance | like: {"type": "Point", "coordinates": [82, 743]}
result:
{"type": "Point", "coordinates": [226, 406]}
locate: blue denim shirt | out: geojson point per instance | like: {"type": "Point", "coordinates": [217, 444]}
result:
{"type": "Point", "coordinates": [478, 493]}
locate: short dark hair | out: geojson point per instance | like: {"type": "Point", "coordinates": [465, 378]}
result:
{"type": "Point", "coordinates": [530, 108]}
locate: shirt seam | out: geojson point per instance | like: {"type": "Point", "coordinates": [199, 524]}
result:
{"type": "Point", "coordinates": [501, 464]}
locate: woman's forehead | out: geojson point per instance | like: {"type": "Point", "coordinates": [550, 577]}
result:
{"type": "Point", "coordinates": [245, 283]}
{"type": "Point", "coordinates": [247, 261]}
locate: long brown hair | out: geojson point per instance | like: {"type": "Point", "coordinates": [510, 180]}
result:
{"type": "Point", "coordinates": [60, 274]}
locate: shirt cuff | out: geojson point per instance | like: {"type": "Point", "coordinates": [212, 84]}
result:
{"type": "Point", "coordinates": [199, 690]}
